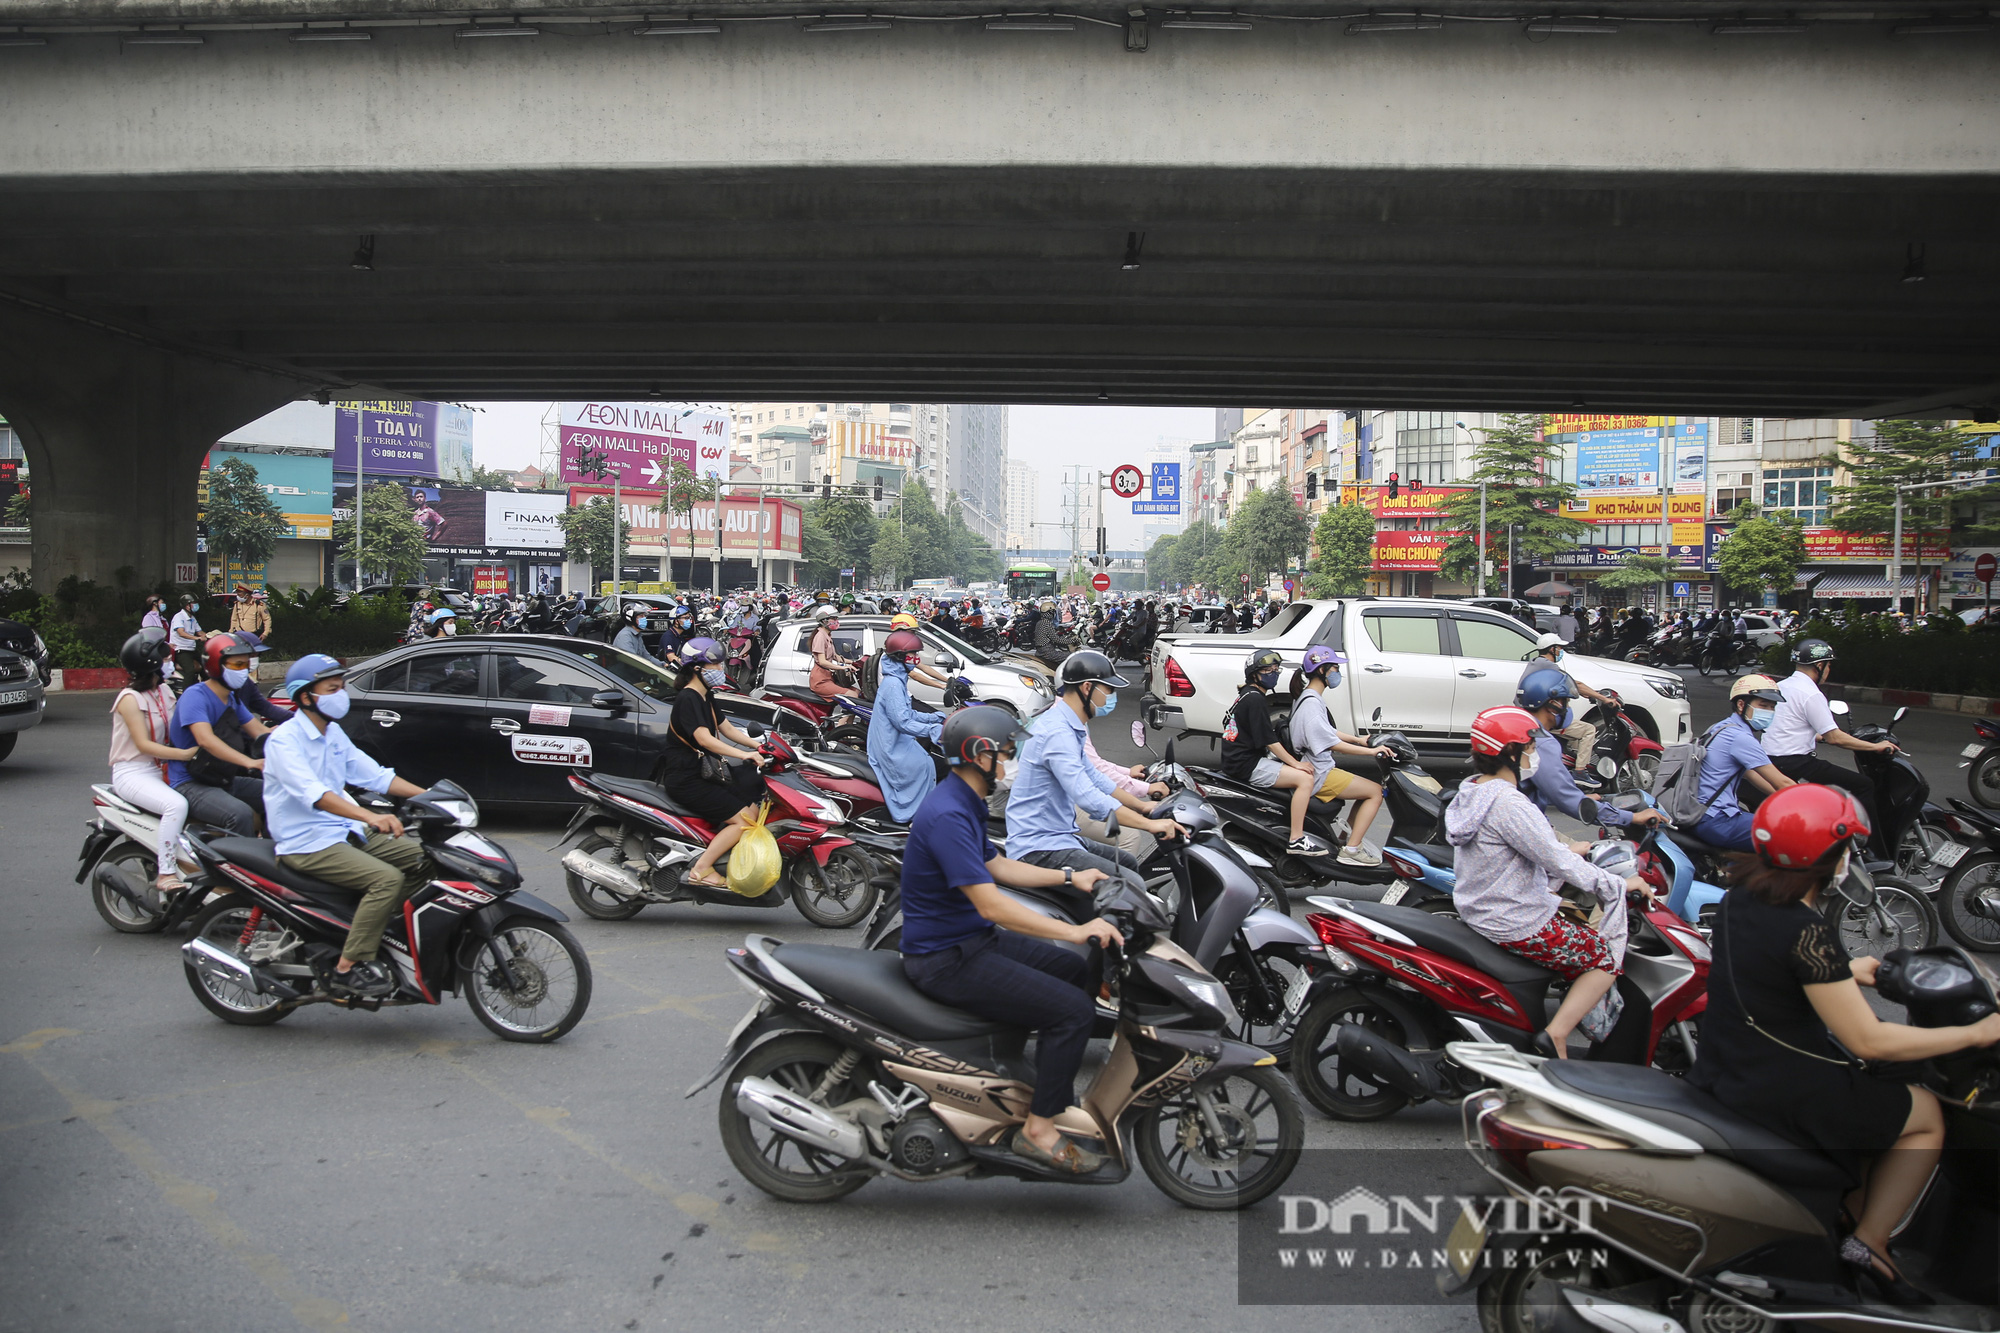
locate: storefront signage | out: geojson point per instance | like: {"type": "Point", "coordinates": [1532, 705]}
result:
{"type": "Point", "coordinates": [1570, 423]}
{"type": "Point", "coordinates": [1426, 503]}
{"type": "Point", "coordinates": [652, 530]}
{"type": "Point", "coordinates": [1635, 508]}
{"type": "Point", "coordinates": [1610, 557]}
{"type": "Point", "coordinates": [1411, 550]}
{"type": "Point", "coordinates": [300, 485]}
{"type": "Point", "coordinates": [1872, 548]}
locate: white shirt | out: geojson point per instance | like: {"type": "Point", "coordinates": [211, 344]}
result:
{"type": "Point", "coordinates": [1802, 719]}
{"type": "Point", "coordinates": [182, 631]}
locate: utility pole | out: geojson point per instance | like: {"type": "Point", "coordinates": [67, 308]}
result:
{"type": "Point", "coordinates": [360, 485]}
{"type": "Point", "coordinates": [1666, 517]}
{"type": "Point", "coordinates": [1482, 540]}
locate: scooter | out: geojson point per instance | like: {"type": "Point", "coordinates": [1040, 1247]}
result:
{"type": "Point", "coordinates": [264, 952]}
{"type": "Point", "coordinates": [1405, 983]}
{"type": "Point", "coordinates": [1624, 755]}
{"type": "Point", "coordinates": [1916, 832]}
{"type": "Point", "coordinates": [634, 845]}
{"type": "Point", "coordinates": [843, 1071]}
{"type": "Point", "coordinates": [1982, 762]}
{"type": "Point", "coordinates": [118, 860]}
{"type": "Point", "coordinates": [1655, 1207]}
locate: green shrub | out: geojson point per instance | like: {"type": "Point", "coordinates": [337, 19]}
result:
{"type": "Point", "coordinates": [314, 622]}
{"type": "Point", "coordinates": [1940, 656]}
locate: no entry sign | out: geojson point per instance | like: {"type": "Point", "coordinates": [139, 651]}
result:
{"type": "Point", "coordinates": [1984, 567]}
{"type": "Point", "coordinates": [1100, 581]}
{"type": "Point", "coordinates": [1127, 481]}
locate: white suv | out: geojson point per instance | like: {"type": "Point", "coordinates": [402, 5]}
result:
{"type": "Point", "coordinates": [1018, 683]}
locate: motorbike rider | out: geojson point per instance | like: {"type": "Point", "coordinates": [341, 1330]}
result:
{"type": "Point", "coordinates": [1054, 778]}
{"type": "Point", "coordinates": [1803, 720]}
{"type": "Point", "coordinates": [1783, 992]}
{"type": "Point", "coordinates": [896, 731]}
{"type": "Point", "coordinates": [1735, 755]}
{"type": "Point", "coordinates": [953, 952]}
{"type": "Point", "coordinates": [441, 623]}
{"type": "Point", "coordinates": [632, 620]}
{"type": "Point", "coordinates": [1252, 752]}
{"type": "Point", "coordinates": [1552, 650]}
{"type": "Point", "coordinates": [695, 728]}
{"type": "Point", "coordinates": [236, 802]}
{"type": "Point", "coordinates": [139, 744]}
{"type": "Point", "coordinates": [1509, 858]}
{"type": "Point", "coordinates": [187, 636]}
{"type": "Point", "coordinates": [903, 620]}
{"type": "Point", "coordinates": [1051, 642]}
{"type": "Point", "coordinates": [309, 765]}
{"type": "Point", "coordinates": [1546, 692]}
{"type": "Point", "coordinates": [828, 666]}
{"type": "Point", "coordinates": [1317, 740]}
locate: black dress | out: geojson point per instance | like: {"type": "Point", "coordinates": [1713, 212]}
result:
{"type": "Point", "coordinates": [1804, 1088]}
{"type": "Point", "coordinates": [680, 764]}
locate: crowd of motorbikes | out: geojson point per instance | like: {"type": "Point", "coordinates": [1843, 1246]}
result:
{"type": "Point", "coordinates": [1244, 961]}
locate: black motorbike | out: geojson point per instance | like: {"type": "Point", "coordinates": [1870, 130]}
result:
{"type": "Point", "coordinates": [1982, 762]}
{"type": "Point", "coordinates": [269, 949]}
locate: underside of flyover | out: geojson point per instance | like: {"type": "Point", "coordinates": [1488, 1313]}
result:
{"type": "Point", "coordinates": [209, 233]}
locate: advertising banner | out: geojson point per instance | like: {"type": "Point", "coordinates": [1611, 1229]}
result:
{"type": "Point", "coordinates": [1571, 423]}
{"type": "Point", "coordinates": [454, 523]}
{"type": "Point", "coordinates": [1411, 550]}
{"type": "Point", "coordinates": [395, 436]}
{"type": "Point", "coordinates": [1636, 508]}
{"type": "Point", "coordinates": [1692, 556]}
{"type": "Point", "coordinates": [1690, 452]}
{"type": "Point", "coordinates": [524, 523]}
{"type": "Point", "coordinates": [1426, 503]}
{"type": "Point", "coordinates": [650, 528]}
{"type": "Point", "coordinates": [301, 485]}
{"type": "Point", "coordinates": [1618, 460]}
{"type": "Point", "coordinates": [491, 579]}
{"type": "Point", "coordinates": [643, 440]}
{"type": "Point", "coordinates": [454, 441]}
{"type": "Point", "coordinates": [1825, 544]}
{"type": "Point", "coordinates": [1166, 491]}
{"type": "Point", "coordinates": [1345, 463]}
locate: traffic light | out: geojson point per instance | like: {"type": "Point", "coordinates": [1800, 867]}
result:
{"type": "Point", "coordinates": [826, 486]}
{"type": "Point", "coordinates": [1312, 485]}
{"type": "Point", "coordinates": [878, 488]}
{"type": "Point", "coordinates": [1395, 485]}
{"type": "Point", "coordinates": [1103, 550]}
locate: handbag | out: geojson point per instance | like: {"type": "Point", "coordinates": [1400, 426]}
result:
{"type": "Point", "coordinates": [714, 768]}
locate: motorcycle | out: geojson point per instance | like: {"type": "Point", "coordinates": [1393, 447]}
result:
{"type": "Point", "coordinates": [118, 859]}
{"type": "Point", "coordinates": [269, 949]}
{"type": "Point", "coordinates": [843, 1071]}
{"type": "Point", "coordinates": [1916, 832]}
{"type": "Point", "coordinates": [1404, 983]}
{"type": "Point", "coordinates": [1624, 754]}
{"type": "Point", "coordinates": [635, 844]}
{"type": "Point", "coordinates": [1968, 902]}
{"type": "Point", "coordinates": [1653, 1206]}
{"type": "Point", "coordinates": [1982, 760]}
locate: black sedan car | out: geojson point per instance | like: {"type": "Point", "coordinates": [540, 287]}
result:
{"type": "Point", "coordinates": [18, 638]}
{"type": "Point", "coordinates": [510, 716]}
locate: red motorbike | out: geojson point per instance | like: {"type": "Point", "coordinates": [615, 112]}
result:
{"type": "Point", "coordinates": [842, 720]}
{"type": "Point", "coordinates": [1624, 754]}
{"type": "Point", "coordinates": [637, 843]}
{"type": "Point", "coordinates": [1404, 982]}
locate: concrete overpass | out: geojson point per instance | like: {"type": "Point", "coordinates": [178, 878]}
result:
{"type": "Point", "coordinates": [206, 210]}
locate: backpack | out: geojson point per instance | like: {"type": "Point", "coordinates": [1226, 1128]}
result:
{"type": "Point", "coordinates": [1677, 787]}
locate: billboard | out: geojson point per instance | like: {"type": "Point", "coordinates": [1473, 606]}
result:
{"type": "Point", "coordinates": [466, 522]}
{"type": "Point", "coordinates": [1618, 460]}
{"type": "Point", "coordinates": [524, 522]}
{"type": "Point", "coordinates": [1690, 454]}
{"type": "Point", "coordinates": [1571, 423]}
{"type": "Point", "coordinates": [1166, 491]}
{"type": "Point", "coordinates": [643, 440]}
{"type": "Point", "coordinates": [1426, 503]}
{"type": "Point", "coordinates": [398, 437]}
{"type": "Point", "coordinates": [1411, 550]}
{"type": "Point", "coordinates": [301, 485]}
{"type": "Point", "coordinates": [1696, 555]}
{"type": "Point", "coordinates": [782, 530]}
{"type": "Point", "coordinates": [1636, 508]}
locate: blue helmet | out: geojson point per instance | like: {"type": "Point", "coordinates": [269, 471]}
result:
{"type": "Point", "coordinates": [1539, 688]}
{"type": "Point", "coordinates": [443, 613]}
{"type": "Point", "coordinates": [310, 670]}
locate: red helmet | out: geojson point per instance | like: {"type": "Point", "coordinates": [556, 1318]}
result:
{"type": "Point", "coordinates": [1497, 728]}
{"type": "Point", "coordinates": [1806, 825]}
{"type": "Point", "coordinates": [901, 644]}
{"type": "Point", "coordinates": [220, 646]}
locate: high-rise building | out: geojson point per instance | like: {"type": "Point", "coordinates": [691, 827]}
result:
{"type": "Point", "coordinates": [1024, 486]}
{"type": "Point", "coordinates": [1229, 420]}
{"type": "Point", "coordinates": [974, 468]}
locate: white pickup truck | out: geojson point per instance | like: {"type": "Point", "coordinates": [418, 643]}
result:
{"type": "Point", "coordinates": [1422, 667]}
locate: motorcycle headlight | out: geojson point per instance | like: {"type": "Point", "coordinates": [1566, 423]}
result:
{"type": "Point", "coordinates": [1667, 687]}
{"type": "Point", "coordinates": [1212, 994]}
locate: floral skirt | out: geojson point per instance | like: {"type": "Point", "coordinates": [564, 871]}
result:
{"type": "Point", "coordinates": [1566, 947]}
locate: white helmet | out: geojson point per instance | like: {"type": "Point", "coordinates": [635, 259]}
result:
{"type": "Point", "coordinates": [823, 612]}
{"type": "Point", "coordinates": [1548, 641]}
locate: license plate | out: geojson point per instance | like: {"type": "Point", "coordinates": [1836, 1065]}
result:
{"type": "Point", "coordinates": [1295, 996]}
{"type": "Point", "coordinates": [1462, 1247]}
{"type": "Point", "coordinates": [14, 697]}
{"type": "Point", "coordinates": [1950, 854]}
{"type": "Point", "coordinates": [1972, 751]}
{"type": "Point", "coordinates": [1395, 893]}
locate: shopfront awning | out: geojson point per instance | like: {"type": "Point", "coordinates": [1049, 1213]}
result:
{"type": "Point", "coordinates": [1859, 583]}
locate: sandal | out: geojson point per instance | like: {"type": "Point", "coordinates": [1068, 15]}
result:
{"type": "Point", "coordinates": [1067, 1156]}
{"type": "Point", "coordinates": [716, 882]}
{"type": "Point", "coordinates": [1892, 1286]}
{"type": "Point", "coordinates": [164, 887]}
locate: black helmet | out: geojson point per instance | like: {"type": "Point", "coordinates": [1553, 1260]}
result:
{"type": "Point", "coordinates": [143, 652]}
{"type": "Point", "coordinates": [1087, 666]}
{"type": "Point", "coordinates": [1260, 662]}
{"type": "Point", "coordinates": [1812, 652]}
{"type": "Point", "coordinates": [971, 732]}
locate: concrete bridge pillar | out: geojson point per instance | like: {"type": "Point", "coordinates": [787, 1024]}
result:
{"type": "Point", "coordinates": [114, 426]}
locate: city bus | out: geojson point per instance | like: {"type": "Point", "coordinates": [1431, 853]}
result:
{"type": "Point", "coordinates": [1029, 579]}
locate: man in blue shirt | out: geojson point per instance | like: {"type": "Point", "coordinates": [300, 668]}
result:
{"type": "Point", "coordinates": [234, 802]}
{"type": "Point", "coordinates": [1546, 692]}
{"type": "Point", "coordinates": [1734, 752]}
{"type": "Point", "coordinates": [953, 953]}
{"type": "Point", "coordinates": [309, 764]}
{"type": "Point", "coordinates": [1056, 779]}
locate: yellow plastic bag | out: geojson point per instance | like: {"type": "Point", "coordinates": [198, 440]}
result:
{"type": "Point", "coordinates": [754, 864]}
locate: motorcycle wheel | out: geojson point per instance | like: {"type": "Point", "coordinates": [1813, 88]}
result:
{"type": "Point", "coordinates": [1913, 856]}
{"type": "Point", "coordinates": [775, 1163]}
{"type": "Point", "coordinates": [1973, 876]}
{"type": "Point", "coordinates": [838, 895]}
{"type": "Point", "coordinates": [1984, 780]}
{"type": "Point", "coordinates": [1316, 1061]}
{"type": "Point", "coordinates": [1704, 663]}
{"type": "Point", "coordinates": [137, 865]}
{"type": "Point", "coordinates": [852, 735]}
{"type": "Point", "coordinates": [1901, 917]}
{"type": "Point", "coordinates": [222, 924]}
{"type": "Point", "coordinates": [1524, 1300]}
{"type": "Point", "coordinates": [1263, 1129]}
{"type": "Point", "coordinates": [1262, 1024]}
{"type": "Point", "coordinates": [550, 988]}
{"type": "Point", "coordinates": [594, 900]}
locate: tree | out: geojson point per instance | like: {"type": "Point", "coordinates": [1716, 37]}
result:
{"type": "Point", "coordinates": [839, 534]}
{"type": "Point", "coordinates": [392, 544]}
{"type": "Point", "coordinates": [587, 534]}
{"type": "Point", "coordinates": [684, 491]}
{"type": "Point", "coordinates": [1160, 561]}
{"type": "Point", "coordinates": [1761, 553]}
{"type": "Point", "coordinates": [488, 479]}
{"type": "Point", "coordinates": [19, 509]}
{"type": "Point", "coordinates": [1344, 550]}
{"type": "Point", "coordinates": [1195, 557]}
{"type": "Point", "coordinates": [1638, 571]}
{"type": "Point", "coordinates": [1928, 455]}
{"type": "Point", "coordinates": [243, 524]}
{"type": "Point", "coordinates": [890, 556]}
{"type": "Point", "coordinates": [1268, 529]}
{"type": "Point", "coordinates": [1520, 494]}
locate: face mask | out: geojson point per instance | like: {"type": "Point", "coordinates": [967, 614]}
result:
{"type": "Point", "coordinates": [450, 627]}
{"type": "Point", "coordinates": [332, 707]}
{"type": "Point", "coordinates": [1333, 680]}
{"type": "Point", "coordinates": [1760, 719]}
{"type": "Point", "coordinates": [194, 608]}
{"type": "Point", "coordinates": [713, 677]}
{"type": "Point", "coordinates": [1110, 703]}
{"type": "Point", "coordinates": [234, 678]}
{"type": "Point", "coordinates": [1003, 773]}
{"type": "Point", "coordinates": [1530, 762]}
{"type": "Point", "coordinates": [1269, 680]}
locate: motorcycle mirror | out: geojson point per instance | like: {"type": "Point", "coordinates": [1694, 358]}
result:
{"type": "Point", "coordinates": [1899, 715]}
{"type": "Point", "coordinates": [946, 662]}
{"type": "Point", "coordinates": [1838, 707]}
{"type": "Point", "coordinates": [1139, 734]}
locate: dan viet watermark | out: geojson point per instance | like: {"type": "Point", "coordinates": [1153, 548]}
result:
{"type": "Point", "coordinates": [1400, 1227]}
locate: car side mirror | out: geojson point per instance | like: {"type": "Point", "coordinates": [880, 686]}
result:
{"type": "Point", "coordinates": [610, 700]}
{"type": "Point", "coordinates": [947, 662]}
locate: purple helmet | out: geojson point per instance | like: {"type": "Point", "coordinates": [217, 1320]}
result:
{"type": "Point", "coordinates": [702, 650]}
{"type": "Point", "coordinates": [1318, 658]}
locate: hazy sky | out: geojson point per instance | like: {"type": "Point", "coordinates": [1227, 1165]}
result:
{"type": "Point", "coordinates": [1048, 439]}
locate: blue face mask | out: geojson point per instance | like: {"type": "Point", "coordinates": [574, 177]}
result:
{"type": "Point", "coordinates": [235, 678]}
{"type": "Point", "coordinates": [1110, 702]}
{"type": "Point", "coordinates": [194, 607]}
{"type": "Point", "coordinates": [1760, 719]}
{"type": "Point", "coordinates": [1333, 680]}
{"type": "Point", "coordinates": [1269, 680]}
{"type": "Point", "coordinates": [714, 678]}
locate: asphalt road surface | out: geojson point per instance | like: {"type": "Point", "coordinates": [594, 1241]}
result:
{"type": "Point", "coordinates": [406, 1170]}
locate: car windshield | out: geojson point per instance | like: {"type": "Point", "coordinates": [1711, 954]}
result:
{"type": "Point", "coordinates": [637, 672]}
{"type": "Point", "coordinates": [965, 651]}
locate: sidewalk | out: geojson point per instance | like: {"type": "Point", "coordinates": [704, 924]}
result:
{"type": "Point", "coordinates": [74, 680]}
{"type": "Point", "coordinates": [1943, 703]}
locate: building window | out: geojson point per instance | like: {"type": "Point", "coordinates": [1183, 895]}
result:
{"type": "Point", "coordinates": [10, 443]}
{"type": "Point", "coordinates": [1726, 500]}
{"type": "Point", "coordinates": [1427, 456]}
{"type": "Point", "coordinates": [1804, 493]}
{"type": "Point", "coordinates": [1627, 534]}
